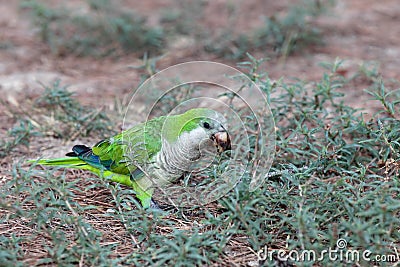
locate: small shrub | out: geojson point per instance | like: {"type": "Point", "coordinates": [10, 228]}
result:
{"type": "Point", "coordinates": [103, 30]}
{"type": "Point", "coordinates": [280, 35]}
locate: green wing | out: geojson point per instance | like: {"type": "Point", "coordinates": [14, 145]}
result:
{"type": "Point", "coordinates": [123, 152]}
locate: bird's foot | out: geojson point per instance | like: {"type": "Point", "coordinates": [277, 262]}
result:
{"type": "Point", "coordinates": [154, 205]}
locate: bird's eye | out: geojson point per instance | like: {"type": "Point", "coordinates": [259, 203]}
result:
{"type": "Point", "coordinates": [206, 125]}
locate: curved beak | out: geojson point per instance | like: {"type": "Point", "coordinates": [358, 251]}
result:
{"type": "Point", "coordinates": [221, 141]}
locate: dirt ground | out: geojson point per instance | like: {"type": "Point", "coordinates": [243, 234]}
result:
{"type": "Point", "coordinates": [356, 31]}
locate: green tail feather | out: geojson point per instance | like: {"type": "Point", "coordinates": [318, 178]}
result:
{"type": "Point", "coordinates": [139, 186]}
{"type": "Point", "coordinates": [68, 162]}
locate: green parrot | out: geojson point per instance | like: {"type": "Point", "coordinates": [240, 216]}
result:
{"type": "Point", "coordinates": [151, 153]}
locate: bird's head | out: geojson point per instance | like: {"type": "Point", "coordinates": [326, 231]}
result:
{"type": "Point", "coordinates": [215, 130]}
{"type": "Point", "coordinates": [199, 126]}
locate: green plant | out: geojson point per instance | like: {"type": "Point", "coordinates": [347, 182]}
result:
{"type": "Point", "coordinates": [389, 99]}
{"type": "Point", "coordinates": [335, 176]}
{"type": "Point", "coordinates": [105, 29]}
{"type": "Point", "coordinates": [339, 173]}
{"type": "Point", "coordinates": [184, 18]}
{"type": "Point", "coordinates": [280, 34]}
{"type": "Point", "coordinates": [72, 119]}
{"type": "Point", "coordinates": [18, 135]}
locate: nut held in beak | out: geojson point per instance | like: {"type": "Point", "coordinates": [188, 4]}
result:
{"type": "Point", "coordinates": [222, 141]}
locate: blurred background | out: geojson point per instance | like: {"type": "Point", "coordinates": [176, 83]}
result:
{"type": "Point", "coordinates": [109, 46]}
{"type": "Point", "coordinates": [64, 62]}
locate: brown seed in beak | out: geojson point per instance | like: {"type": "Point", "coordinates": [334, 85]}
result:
{"type": "Point", "coordinates": [222, 141]}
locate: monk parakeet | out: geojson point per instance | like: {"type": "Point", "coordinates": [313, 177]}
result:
{"type": "Point", "coordinates": [154, 152]}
